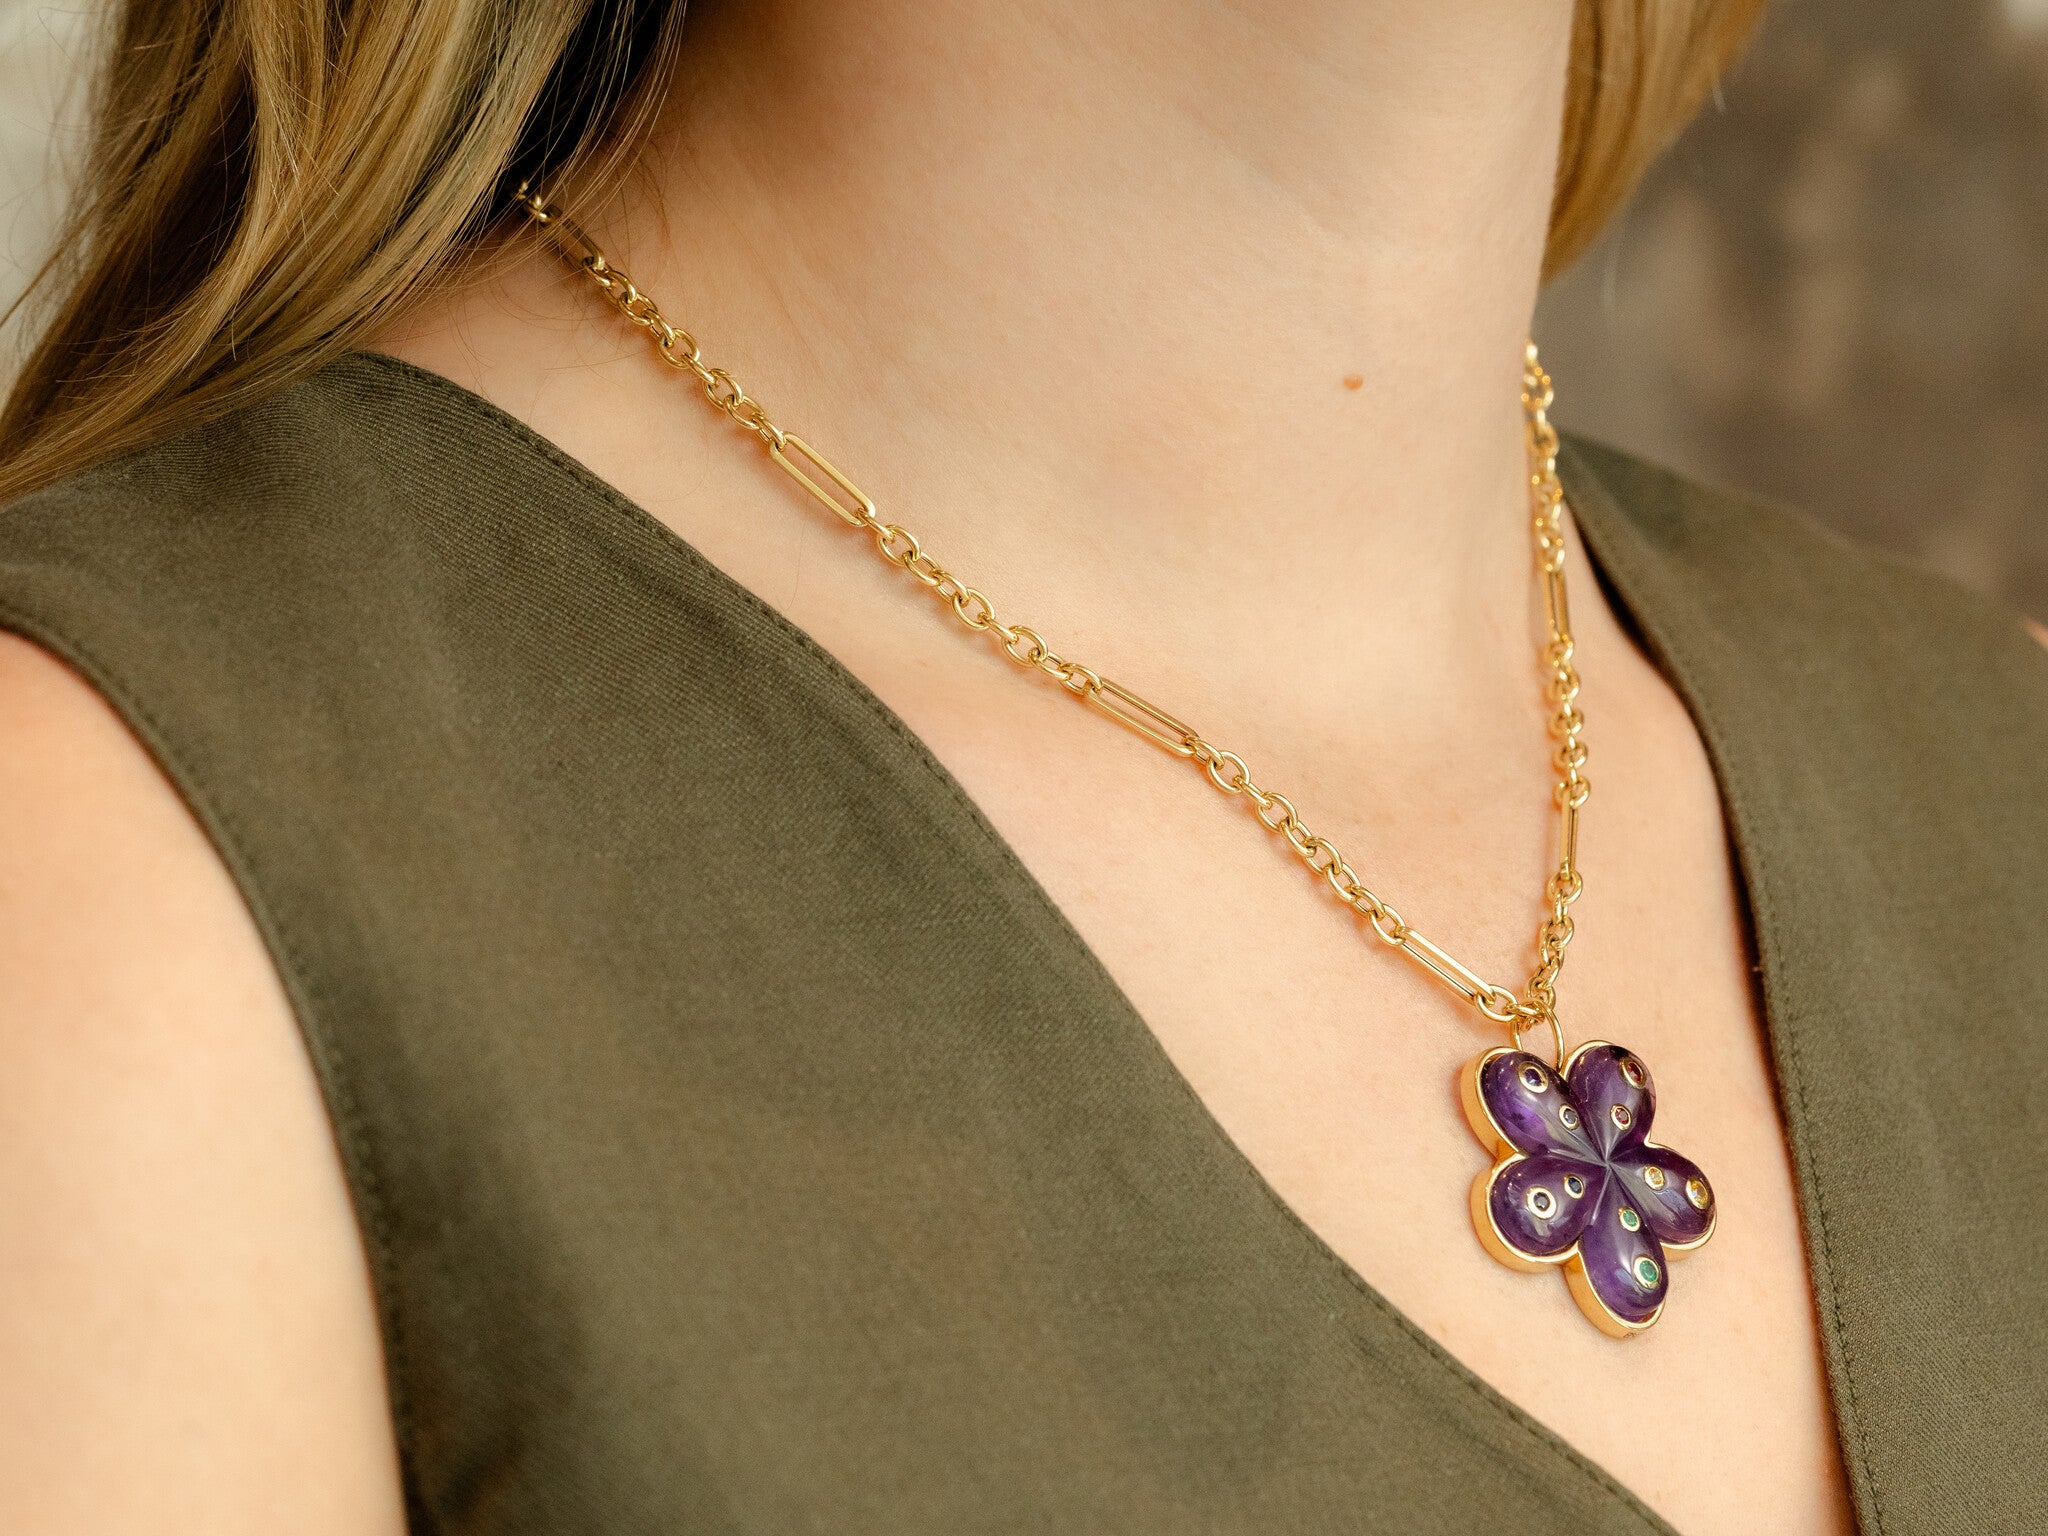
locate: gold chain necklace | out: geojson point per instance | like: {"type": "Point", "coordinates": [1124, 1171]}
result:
{"type": "Point", "coordinates": [1575, 1182]}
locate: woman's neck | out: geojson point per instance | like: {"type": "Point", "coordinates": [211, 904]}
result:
{"type": "Point", "coordinates": [1209, 313]}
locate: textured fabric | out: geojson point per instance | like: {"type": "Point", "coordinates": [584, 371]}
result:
{"type": "Point", "coordinates": [690, 1208]}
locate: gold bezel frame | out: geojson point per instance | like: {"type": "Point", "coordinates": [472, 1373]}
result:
{"type": "Point", "coordinates": [1505, 1155]}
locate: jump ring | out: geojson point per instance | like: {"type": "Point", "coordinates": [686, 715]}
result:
{"type": "Point", "coordinates": [1234, 785]}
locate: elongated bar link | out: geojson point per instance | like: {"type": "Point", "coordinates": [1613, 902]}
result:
{"type": "Point", "coordinates": [1557, 605]}
{"type": "Point", "coordinates": [1471, 987]}
{"type": "Point", "coordinates": [1141, 716]}
{"type": "Point", "coordinates": [861, 514]}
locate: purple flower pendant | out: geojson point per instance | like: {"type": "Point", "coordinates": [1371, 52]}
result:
{"type": "Point", "coordinates": [1576, 1181]}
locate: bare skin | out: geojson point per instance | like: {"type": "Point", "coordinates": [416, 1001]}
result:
{"type": "Point", "coordinates": [1078, 291]}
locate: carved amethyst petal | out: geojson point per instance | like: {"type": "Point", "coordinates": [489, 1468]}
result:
{"type": "Point", "coordinates": [1614, 1094]}
{"type": "Point", "coordinates": [1670, 1191]}
{"type": "Point", "coordinates": [1531, 1107]}
{"type": "Point", "coordinates": [1622, 1263]}
{"type": "Point", "coordinates": [1541, 1203]}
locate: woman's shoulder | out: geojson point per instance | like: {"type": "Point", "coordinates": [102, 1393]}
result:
{"type": "Point", "coordinates": [257, 592]}
{"type": "Point", "coordinates": [333, 460]}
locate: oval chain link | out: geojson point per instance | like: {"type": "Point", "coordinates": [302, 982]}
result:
{"type": "Point", "coordinates": [1536, 1006]}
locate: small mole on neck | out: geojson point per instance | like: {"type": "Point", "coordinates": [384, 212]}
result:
{"type": "Point", "coordinates": [1354, 381]}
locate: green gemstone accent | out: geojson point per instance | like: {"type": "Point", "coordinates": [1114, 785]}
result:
{"type": "Point", "coordinates": [1646, 1271]}
{"type": "Point", "coordinates": [1630, 1219]}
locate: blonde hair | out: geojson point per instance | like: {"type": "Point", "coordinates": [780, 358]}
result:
{"type": "Point", "coordinates": [270, 179]}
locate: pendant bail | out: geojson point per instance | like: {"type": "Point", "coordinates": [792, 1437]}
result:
{"type": "Point", "coordinates": [1531, 1016]}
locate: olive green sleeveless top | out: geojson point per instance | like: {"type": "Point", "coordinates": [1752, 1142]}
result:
{"type": "Point", "coordinates": [691, 1208]}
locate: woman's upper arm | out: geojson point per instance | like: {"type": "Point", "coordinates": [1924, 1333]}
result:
{"type": "Point", "coordinates": [186, 1327]}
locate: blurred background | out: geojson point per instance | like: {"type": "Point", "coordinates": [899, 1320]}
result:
{"type": "Point", "coordinates": [1833, 291]}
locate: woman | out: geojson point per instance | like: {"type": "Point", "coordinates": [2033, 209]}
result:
{"type": "Point", "coordinates": [545, 992]}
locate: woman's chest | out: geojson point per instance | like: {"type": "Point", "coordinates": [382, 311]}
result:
{"type": "Point", "coordinates": [1330, 1063]}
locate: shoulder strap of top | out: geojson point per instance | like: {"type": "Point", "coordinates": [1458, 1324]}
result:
{"type": "Point", "coordinates": [1881, 740]}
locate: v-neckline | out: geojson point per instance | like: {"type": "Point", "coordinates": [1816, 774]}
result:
{"type": "Point", "coordinates": [1615, 549]}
